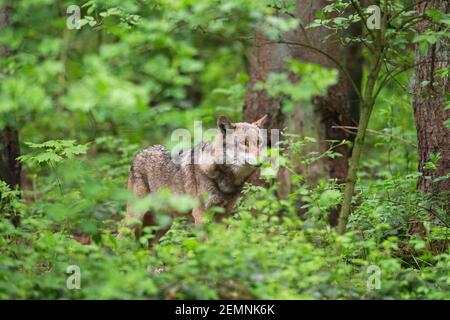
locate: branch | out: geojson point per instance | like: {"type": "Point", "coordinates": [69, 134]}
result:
{"type": "Point", "coordinates": [411, 20]}
{"type": "Point", "coordinates": [406, 9]}
{"type": "Point", "coordinates": [389, 73]}
{"type": "Point", "coordinates": [430, 210]}
{"type": "Point", "coordinates": [363, 19]}
{"type": "Point", "coordinates": [375, 132]}
{"type": "Point", "coordinates": [405, 68]}
{"type": "Point", "coordinates": [338, 64]}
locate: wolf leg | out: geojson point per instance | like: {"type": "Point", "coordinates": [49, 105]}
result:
{"type": "Point", "coordinates": [197, 213]}
{"type": "Point", "coordinates": [228, 206]}
{"type": "Point", "coordinates": [150, 221]}
{"type": "Point", "coordinates": [133, 220]}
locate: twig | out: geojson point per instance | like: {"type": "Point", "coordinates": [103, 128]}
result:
{"type": "Point", "coordinates": [363, 19]}
{"type": "Point", "coordinates": [345, 128]}
{"type": "Point", "coordinates": [338, 64]}
{"type": "Point", "coordinates": [406, 9]}
{"type": "Point", "coordinates": [430, 210]}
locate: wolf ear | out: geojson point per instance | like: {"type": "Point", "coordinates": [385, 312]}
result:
{"type": "Point", "coordinates": [259, 123]}
{"type": "Point", "coordinates": [224, 124]}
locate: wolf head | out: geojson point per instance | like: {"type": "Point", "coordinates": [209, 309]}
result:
{"type": "Point", "coordinates": [240, 145]}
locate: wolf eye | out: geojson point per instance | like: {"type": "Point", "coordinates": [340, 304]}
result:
{"type": "Point", "coordinates": [247, 142]}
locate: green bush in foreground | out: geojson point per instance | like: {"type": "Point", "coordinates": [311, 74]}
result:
{"type": "Point", "coordinates": [265, 251]}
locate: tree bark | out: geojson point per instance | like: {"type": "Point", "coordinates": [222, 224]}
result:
{"type": "Point", "coordinates": [267, 57]}
{"type": "Point", "coordinates": [9, 139]}
{"type": "Point", "coordinates": [341, 104]}
{"type": "Point", "coordinates": [429, 101]}
{"type": "Point", "coordinates": [9, 151]}
{"type": "Point", "coordinates": [340, 107]}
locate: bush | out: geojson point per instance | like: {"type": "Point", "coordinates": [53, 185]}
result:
{"type": "Point", "coordinates": [264, 251]}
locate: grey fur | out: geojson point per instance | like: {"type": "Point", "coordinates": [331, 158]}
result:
{"type": "Point", "coordinates": [153, 169]}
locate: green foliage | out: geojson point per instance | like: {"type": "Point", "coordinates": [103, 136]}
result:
{"type": "Point", "coordinates": [264, 251]}
{"type": "Point", "coordinates": [432, 35]}
{"type": "Point", "coordinates": [52, 152]}
{"type": "Point", "coordinates": [314, 81]}
{"type": "Point", "coordinates": [10, 205]}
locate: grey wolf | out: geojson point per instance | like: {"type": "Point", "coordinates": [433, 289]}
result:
{"type": "Point", "coordinates": [218, 169]}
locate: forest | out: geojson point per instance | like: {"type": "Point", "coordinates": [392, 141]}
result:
{"type": "Point", "coordinates": [357, 206]}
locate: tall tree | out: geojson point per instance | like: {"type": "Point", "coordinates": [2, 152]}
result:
{"type": "Point", "coordinates": [429, 102]}
{"type": "Point", "coordinates": [338, 108]}
{"type": "Point", "coordinates": [9, 138]}
{"type": "Point", "coordinates": [340, 105]}
{"type": "Point", "coordinates": [267, 57]}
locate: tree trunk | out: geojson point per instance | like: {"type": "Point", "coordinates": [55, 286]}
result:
{"type": "Point", "coordinates": [9, 151]}
{"type": "Point", "coordinates": [267, 57]}
{"type": "Point", "coordinates": [9, 138]}
{"type": "Point", "coordinates": [429, 102]}
{"type": "Point", "coordinates": [341, 104]}
{"type": "Point", "coordinates": [340, 107]}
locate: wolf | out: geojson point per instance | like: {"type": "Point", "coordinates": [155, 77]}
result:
{"type": "Point", "coordinates": [214, 172]}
